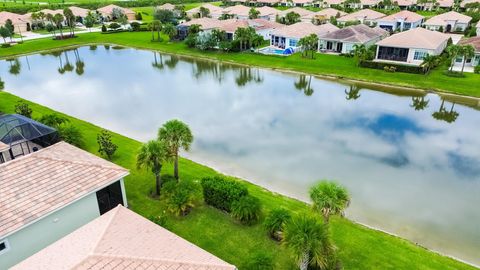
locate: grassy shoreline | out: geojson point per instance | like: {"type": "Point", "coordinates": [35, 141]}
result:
{"type": "Point", "coordinates": [215, 231]}
{"type": "Point", "coordinates": [330, 66]}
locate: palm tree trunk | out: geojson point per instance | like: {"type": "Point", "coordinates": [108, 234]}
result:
{"type": "Point", "coordinates": [158, 183]}
{"type": "Point", "coordinates": [304, 261]}
{"type": "Point", "coordinates": [463, 64]}
{"type": "Point", "coordinates": [175, 167]}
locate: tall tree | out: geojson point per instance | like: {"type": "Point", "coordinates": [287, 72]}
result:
{"type": "Point", "coordinates": [253, 13]}
{"type": "Point", "coordinates": [309, 240]}
{"type": "Point", "coordinates": [329, 198]}
{"type": "Point", "coordinates": [170, 30]}
{"type": "Point", "coordinates": [152, 155]}
{"type": "Point", "coordinates": [4, 33]}
{"type": "Point", "coordinates": [89, 21]}
{"type": "Point", "coordinates": [176, 135]}
{"type": "Point", "coordinates": [468, 52]}
{"type": "Point", "coordinates": [58, 20]}
{"type": "Point", "coordinates": [453, 51]}
{"type": "Point", "coordinates": [70, 19]}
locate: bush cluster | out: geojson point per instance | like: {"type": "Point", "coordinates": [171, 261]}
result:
{"type": "Point", "coordinates": [397, 68]}
{"type": "Point", "coordinates": [221, 192]}
{"type": "Point", "coordinates": [246, 210]}
{"type": "Point", "coordinates": [180, 197]}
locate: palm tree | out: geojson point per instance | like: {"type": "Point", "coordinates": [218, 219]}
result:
{"type": "Point", "coordinates": [467, 52]}
{"type": "Point", "coordinates": [419, 103]}
{"type": "Point", "coordinates": [176, 135]}
{"type": "Point", "coordinates": [153, 155]}
{"type": "Point", "coordinates": [156, 26]}
{"type": "Point", "coordinates": [453, 51]}
{"type": "Point", "coordinates": [170, 30]}
{"type": "Point", "coordinates": [359, 52]}
{"type": "Point", "coordinates": [58, 20]}
{"type": "Point", "coordinates": [353, 93]}
{"type": "Point", "coordinates": [429, 62]}
{"type": "Point", "coordinates": [329, 198]}
{"type": "Point", "coordinates": [309, 240]}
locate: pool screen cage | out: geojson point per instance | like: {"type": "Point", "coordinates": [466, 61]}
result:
{"type": "Point", "coordinates": [24, 135]}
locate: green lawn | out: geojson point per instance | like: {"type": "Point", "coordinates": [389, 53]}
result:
{"type": "Point", "coordinates": [216, 232]}
{"type": "Point", "coordinates": [329, 65]}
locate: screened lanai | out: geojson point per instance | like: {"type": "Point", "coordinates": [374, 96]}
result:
{"type": "Point", "coordinates": [20, 136]}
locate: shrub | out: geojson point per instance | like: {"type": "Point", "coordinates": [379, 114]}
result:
{"type": "Point", "coordinates": [22, 108]}
{"type": "Point", "coordinates": [6, 45]}
{"type": "Point", "coordinates": [135, 26]}
{"type": "Point", "coordinates": [260, 261]}
{"type": "Point", "coordinates": [114, 26]}
{"type": "Point", "coordinates": [71, 134]}
{"type": "Point", "coordinates": [246, 210]}
{"type": "Point", "coordinates": [180, 197]}
{"type": "Point", "coordinates": [105, 145]}
{"type": "Point", "coordinates": [53, 120]}
{"type": "Point", "coordinates": [476, 70]}
{"type": "Point", "coordinates": [104, 28]}
{"type": "Point", "coordinates": [138, 16]}
{"type": "Point", "coordinates": [397, 67]}
{"type": "Point", "coordinates": [275, 221]}
{"type": "Point", "coordinates": [221, 192]}
{"type": "Point", "coordinates": [160, 220]}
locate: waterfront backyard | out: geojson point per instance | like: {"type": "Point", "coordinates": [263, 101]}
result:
{"type": "Point", "coordinates": [281, 131]}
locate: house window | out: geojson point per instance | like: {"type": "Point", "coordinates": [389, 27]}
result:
{"type": "Point", "coordinates": [4, 246]}
{"type": "Point", "coordinates": [292, 43]}
{"type": "Point", "coordinates": [419, 55]}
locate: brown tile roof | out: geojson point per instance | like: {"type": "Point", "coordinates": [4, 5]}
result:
{"type": "Point", "coordinates": [301, 11]}
{"type": "Point", "coordinates": [405, 15]}
{"type": "Point", "coordinates": [419, 38]}
{"type": "Point", "coordinates": [448, 16]}
{"type": "Point", "coordinates": [122, 239]}
{"type": "Point", "coordinates": [108, 10]}
{"type": "Point", "coordinates": [364, 14]}
{"type": "Point", "coordinates": [355, 34]}
{"type": "Point", "coordinates": [303, 29]}
{"type": "Point", "coordinates": [42, 182]}
{"type": "Point", "coordinates": [474, 41]}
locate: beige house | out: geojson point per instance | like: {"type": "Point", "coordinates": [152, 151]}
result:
{"type": "Point", "coordinates": [268, 2]}
{"type": "Point", "coordinates": [451, 21]}
{"type": "Point", "coordinates": [328, 3]}
{"type": "Point", "coordinates": [324, 15]}
{"type": "Point", "coordinates": [122, 239]}
{"type": "Point", "coordinates": [470, 63]}
{"type": "Point", "coordinates": [262, 27]}
{"type": "Point", "coordinates": [288, 36]}
{"type": "Point", "coordinates": [410, 47]}
{"type": "Point", "coordinates": [106, 12]}
{"type": "Point", "coordinates": [364, 16]}
{"type": "Point", "coordinates": [344, 40]}
{"type": "Point", "coordinates": [50, 193]}
{"type": "Point", "coordinates": [268, 13]}
{"type": "Point", "coordinates": [363, 4]}
{"type": "Point", "coordinates": [21, 23]}
{"type": "Point", "coordinates": [400, 21]}
{"type": "Point", "coordinates": [215, 11]}
{"type": "Point", "coordinates": [304, 13]}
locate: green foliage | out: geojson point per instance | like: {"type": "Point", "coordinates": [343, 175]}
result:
{"type": "Point", "coordinates": [275, 222]}
{"type": "Point", "coordinates": [104, 28]}
{"type": "Point", "coordinates": [160, 219]}
{"type": "Point", "coordinates": [138, 16]}
{"type": "Point", "coordinates": [135, 26]}
{"type": "Point", "coordinates": [152, 155]}
{"type": "Point", "coordinates": [291, 18]}
{"type": "Point", "coordinates": [105, 145]}
{"type": "Point", "coordinates": [246, 210]}
{"type": "Point", "coordinates": [53, 120]}
{"type": "Point", "coordinates": [476, 70]}
{"type": "Point", "coordinates": [260, 261]}
{"type": "Point", "coordinates": [253, 13]}
{"type": "Point", "coordinates": [5, 33]}
{"type": "Point", "coordinates": [221, 192]}
{"type": "Point", "coordinates": [309, 44]}
{"type": "Point", "coordinates": [329, 198]}
{"type": "Point", "coordinates": [180, 197]}
{"type": "Point", "coordinates": [170, 30]}
{"type": "Point", "coordinates": [114, 26]}
{"type": "Point", "coordinates": [164, 16]}
{"type": "Point", "coordinates": [398, 68]}
{"type": "Point", "coordinates": [24, 109]}
{"type": "Point", "coordinates": [71, 134]}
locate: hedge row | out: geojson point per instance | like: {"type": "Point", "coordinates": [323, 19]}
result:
{"type": "Point", "coordinates": [221, 192]}
{"type": "Point", "coordinates": [398, 68]}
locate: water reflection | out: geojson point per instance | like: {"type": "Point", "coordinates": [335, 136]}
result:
{"type": "Point", "coordinates": [408, 173]}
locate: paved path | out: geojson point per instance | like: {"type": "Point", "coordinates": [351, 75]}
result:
{"type": "Point", "coordinates": [32, 35]}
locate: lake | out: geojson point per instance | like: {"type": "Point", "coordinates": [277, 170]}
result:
{"type": "Point", "coordinates": [411, 162]}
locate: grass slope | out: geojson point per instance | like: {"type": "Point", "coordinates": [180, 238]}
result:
{"type": "Point", "coordinates": [324, 64]}
{"type": "Point", "coordinates": [214, 231]}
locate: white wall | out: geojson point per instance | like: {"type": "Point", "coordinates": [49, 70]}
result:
{"type": "Point", "coordinates": [42, 233]}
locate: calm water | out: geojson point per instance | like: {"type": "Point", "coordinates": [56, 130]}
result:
{"type": "Point", "coordinates": [412, 172]}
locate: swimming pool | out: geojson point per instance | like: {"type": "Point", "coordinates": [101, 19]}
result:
{"type": "Point", "coordinates": [273, 50]}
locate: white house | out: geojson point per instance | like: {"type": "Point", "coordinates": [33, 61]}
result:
{"type": "Point", "coordinates": [289, 36]}
{"type": "Point", "coordinates": [49, 193]}
{"type": "Point", "coordinates": [410, 47]}
{"type": "Point", "coordinates": [400, 21]}
{"type": "Point", "coordinates": [343, 40]}
{"type": "Point", "coordinates": [451, 21]}
{"type": "Point", "coordinates": [262, 27]}
{"type": "Point", "coordinates": [470, 63]}
{"type": "Point", "coordinates": [122, 240]}
{"type": "Point", "coordinates": [268, 13]}
{"type": "Point", "coordinates": [365, 16]}
{"type": "Point", "coordinates": [362, 4]}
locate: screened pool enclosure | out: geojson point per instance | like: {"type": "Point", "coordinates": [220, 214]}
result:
{"type": "Point", "coordinates": [20, 136]}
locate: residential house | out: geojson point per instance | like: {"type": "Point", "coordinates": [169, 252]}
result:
{"type": "Point", "coordinates": [262, 27]}
{"type": "Point", "coordinates": [122, 239]}
{"type": "Point", "coordinates": [79, 13]}
{"type": "Point", "coordinates": [50, 193]}
{"type": "Point", "coordinates": [451, 21]}
{"type": "Point", "coordinates": [328, 3]}
{"type": "Point", "coordinates": [268, 2]}
{"type": "Point", "coordinates": [405, 4]}
{"type": "Point", "coordinates": [206, 24]}
{"type": "Point", "coordinates": [215, 11]}
{"type": "Point", "coordinates": [289, 36]}
{"type": "Point", "coordinates": [364, 16]}
{"type": "Point", "coordinates": [106, 12]}
{"type": "Point", "coordinates": [465, 3]}
{"type": "Point", "coordinates": [237, 11]}
{"type": "Point", "coordinates": [298, 3]}
{"type": "Point", "coordinates": [300, 11]}
{"type": "Point", "coordinates": [166, 6]}
{"type": "Point", "coordinates": [410, 47]}
{"type": "Point", "coordinates": [268, 13]}
{"type": "Point", "coordinates": [344, 40]}
{"type": "Point", "coordinates": [474, 61]}
{"type": "Point", "coordinates": [323, 15]}
{"type": "Point", "coordinates": [478, 29]}
{"type": "Point", "coordinates": [363, 4]}
{"type": "Point", "coordinates": [21, 23]}
{"type": "Point", "coordinates": [431, 5]}
{"type": "Point", "coordinates": [400, 21]}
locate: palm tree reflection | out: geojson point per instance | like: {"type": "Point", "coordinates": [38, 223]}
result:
{"type": "Point", "coordinates": [443, 114]}
{"type": "Point", "coordinates": [304, 85]}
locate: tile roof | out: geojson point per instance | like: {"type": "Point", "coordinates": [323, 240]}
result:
{"type": "Point", "coordinates": [419, 38]}
{"type": "Point", "coordinates": [303, 29]}
{"type": "Point", "coordinates": [213, 9]}
{"type": "Point", "coordinates": [238, 10]}
{"type": "Point", "coordinates": [230, 26]}
{"type": "Point", "coordinates": [108, 9]}
{"type": "Point", "coordinates": [15, 18]}
{"type": "Point", "coordinates": [448, 16]}
{"type": "Point", "coordinates": [406, 3]}
{"type": "Point", "coordinates": [122, 239]}
{"type": "Point", "coordinates": [267, 11]}
{"type": "Point", "coordinates": [465, 2]}
{"type": "Point", "coordinates": [80, 12]}
{"type": "Point", "coordinates": [269, 1]}
{"type": "Point", "coordinates": [334, 2]}
{"type": "Point", "coordinates": [301, 11]}
{"type": "Point", "coordinates": [355, 34]}
{"type": "Point", "coordinates": [474, 41]}
{"type": "Point", "coordinates": [167, 6]}
{"type": "Point", "coordinates": [35, 185]}
{"type": "Point", "coordinates": [404, 15]}
{"type": "Point", "coordinates": [369, 2]}
{"type": "Point", "coordinates": [328, 13]}
{"type": "Point", "coordinates": [364, 14]}
{"type": "Point", "coordinates": [4, 147]}
{"type": "Point", "coordinates": [207, 23]}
